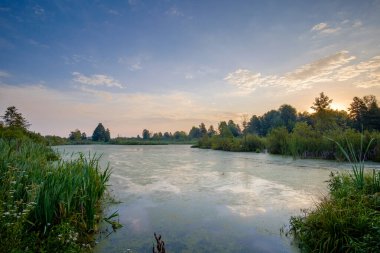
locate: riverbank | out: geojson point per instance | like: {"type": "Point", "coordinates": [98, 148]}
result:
{"type": "Point", "coordinates": [47, 204]}
{"type": "Point", "coordinates": [348, 219]}
{"type": "Point", "coordinates": [303, 142]}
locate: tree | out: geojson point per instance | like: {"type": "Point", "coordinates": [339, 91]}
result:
{"type": "Point", "coordinates": [195, 133]}
{"type": "Point", "coordinates": [254, 125]}
{"type": "Point", "coordinates": [99, 133]}
{"type": "Point", "coordinates": [365, 113]}
{"type": "Point", "coordinates": [288, 115]}
{"type": "Point", "coordinates": [12, 118]}
{"type": "Point", "coordinates": [234, 128]}
{"type": "Point", "coordinates": [180, 135]}
{"type": "Point", "coordinates": [211, 132]}
{"type": "Point", "coordinates": [107, 135]}
{"type": "Point", "coordinates": [75, 135]}
{"type": "Point", "coordinates": [83, 136]}
{"type": "Point", "coordinates": [224, 130]}
{"type": "Point", "coordinates": [167, 136]}
{"type": "Point", "coordinates": [270, 120]}
{"type": "Point", "coordinates": [203, 129]}
{"type": "Point", "coordinates": [146, 134]}
{"type": "Point", "coordinates": [321, 103]}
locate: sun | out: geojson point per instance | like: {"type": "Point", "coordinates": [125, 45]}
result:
{"type": "Point", "coordinates": [338, 106]}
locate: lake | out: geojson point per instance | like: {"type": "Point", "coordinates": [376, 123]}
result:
{"type": "Point", "coordinates": [205, 200]}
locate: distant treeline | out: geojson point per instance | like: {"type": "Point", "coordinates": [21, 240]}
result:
{"type": "Point", "coordinates": [306, 135]}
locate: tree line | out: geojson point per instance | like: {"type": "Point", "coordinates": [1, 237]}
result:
{"type": "Point", "coordinates": [288, 132]}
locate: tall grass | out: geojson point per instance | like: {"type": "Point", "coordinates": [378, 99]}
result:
{"type": "Point", "coordinates": [356, 159]}
{"type": "Point", "coordinates": [47, 205]}
{"type": "Point", "coordinates": [348, 220]}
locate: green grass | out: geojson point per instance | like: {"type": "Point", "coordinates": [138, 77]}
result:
{"type": "Point", "coordinates": [47, 204]}
{"type": "Point", "coordinates": [348, 220]}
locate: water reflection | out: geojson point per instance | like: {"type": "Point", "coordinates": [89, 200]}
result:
{"type": "Point", "coordinates": [207, 201]}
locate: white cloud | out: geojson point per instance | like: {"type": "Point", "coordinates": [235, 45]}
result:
{"type": "Point", "coordinates": [324, 28]}
{"type": "Point", "coordinates": [334, 68]}
{"type": "Point", "coordinates": [319, 27]}
{"type": "Point", "coordinates": [96, 80]}
{"type": "Point", "coordinates": [357, 24]}
{"type": "Point", "coordinates": [38, 10]}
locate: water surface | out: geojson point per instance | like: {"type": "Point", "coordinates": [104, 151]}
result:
{"type": "Point", "coordinates": [204, 200]}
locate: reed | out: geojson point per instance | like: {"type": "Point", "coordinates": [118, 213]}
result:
{"type": "Point", "coordinates": [348, 220]}
{"type": "Point", "coordinates": [41, 199]}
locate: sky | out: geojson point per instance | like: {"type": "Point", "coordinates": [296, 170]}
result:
{"type": "Point", "coordinates": [169, 65]}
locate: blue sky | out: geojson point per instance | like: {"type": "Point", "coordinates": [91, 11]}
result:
{"type": "Point", "coordinates": [168, 65]}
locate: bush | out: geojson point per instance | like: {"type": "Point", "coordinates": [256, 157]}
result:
{"type": "Point", "coordinates": [40, 198]}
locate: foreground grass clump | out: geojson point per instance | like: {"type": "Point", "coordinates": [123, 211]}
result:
{"type": "Point", "coordinates": [45, 205]}
{"type": "Point", "coordinates": [348, 220]}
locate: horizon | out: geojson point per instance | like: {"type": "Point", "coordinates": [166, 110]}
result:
{"type": "Point", "coordinates": [166, 66]}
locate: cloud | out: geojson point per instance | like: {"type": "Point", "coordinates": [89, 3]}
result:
{"type": "Point", "coordinates": [37, 44]}
{"type": "Point", "coordinates": [77, 58]}
{"type": "Point", "coordinates": [4, 74]}
{"type": "Point", "coordinates": [133, 2]}
{"type": "Point", "coordinates": [357, 24]}
{"type": "Point", "coordinates": [38, 10]}
{"type": "Point", "coordinates": [319, 27]}
{"type": "Point", "coordinates": [133, 63]}
{"type": "Point", "coordinates": [324, 28]}
{"type": "Point", "coordinates": [174, 11]}
{"type": "Point", "coordinates": [246, 80]}
{"type": "Point", "coordinates": [333, 68]}
{"type": "Point", "coordinates": [58, 112]}
{"type": "Point", "coordinates": [96, 80]}
{"type": "Point", "coordinates": [113, 12]}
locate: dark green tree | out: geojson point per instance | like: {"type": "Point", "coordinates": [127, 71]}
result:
{"type": "Point", "coordinates": [83, 136]}
{"type": "Point", "coordinates": [211, 131]}
{"type": "Point", "coordinates": [167, 136]}
{"type": "Point", "coordinates": [224, 130]}
{"type": "Point", "coordinates": [270, 120]}
{"type": "Point", "coordinates": [107, 135]}
{"type": "Point", "coordinates": [321, 103]}
{"type": "Point", "coordinates": [146, 134]}
{"type": "Point", "coordinates": [234, 128]}
{"type": "Point", "coordinates": [99, 133]}
{"type": "Point", "coordinates": [180, 136]}
{"type": "Point", "coordinates": [75, 135]}
{"type": "Point", "coordinates": [288, 115]}
{"type": "Point", "coordinates": [13, 118]}
{"type": "Point", "coordinates": [195, 133]}
{"type": "Point", "coordinates": [203, 129]}
{"type": "Point", "coordinates": [254, 125]}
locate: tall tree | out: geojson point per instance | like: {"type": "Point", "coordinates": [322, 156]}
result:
{"type": "Point", "coordinates": [203, 129]}
{"type": "Point", "coordinates": [75, 135]}
{"type": "Point", "coordinates": [13, 118]}
{"type": "Point", "coordinates": [146, 134]}
{"type": "Point", "coordinates": [211, 131]}
{"type": "Point", "coordinates": [224, 130]}
{"type": "Point", "coordinates": [195, 133]}
{"type": "Point", "coordinates": [99, 133]}
{"type": "Point", "coordinates": [234, 128]}
{"type": "Point", "coordinates": [288, 115]}
{"type": "Point", "coordinates": [107, 135]}
{"type": "Point", "coordinates": [365, 113]}
{"type": "Point", "coordinates": [357, 110]}
{"type": "Point", "coordinates": [254, 125]}
{"type": "Point", "coordinates": [321, 103]}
